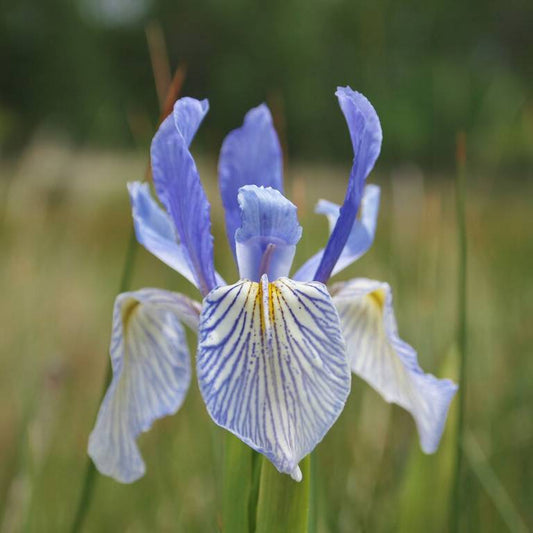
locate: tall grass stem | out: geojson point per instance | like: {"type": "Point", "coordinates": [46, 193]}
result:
{"type": "Point", "coordinates": [460, 192]}
{"type": "Point", "coordinates": [90, 470]}
{"type": "Point", "coordinates": [283, 504]}
{"type": "Point", "coordinates": [237, 486]}
{"type": "Point", "coordinates": [480, 466]}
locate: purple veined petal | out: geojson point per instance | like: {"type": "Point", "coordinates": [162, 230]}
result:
{"type": "Point", "coordinates": [360, 239]}
{"type": "Point", "coordinates": [178, 186]}
{"type": "Point", "coordinates": [250, 155]}
{"type": "Point", "coordinates": [388, 364]}
{"type": "Point", "coordinates": [272, 366]}
{"type": "Point", "coordinates": [267, 237]}
{"type": "Point", "coordinates": [366, 135]}
{"type": "Point", "coordinates": [151, 376]}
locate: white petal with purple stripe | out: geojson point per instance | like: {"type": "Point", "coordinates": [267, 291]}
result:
{"type": "Point", "coordinates": [272, 366]}
{"type": "Point", "coordinates": [390, 365]}
{"type": "Point", "coordinates": [151, 375]}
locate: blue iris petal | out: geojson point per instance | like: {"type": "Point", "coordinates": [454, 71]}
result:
{"type": "Point", "coordinates": [390, 365]}
{"type": "Point", "coordinates": [360, 239]}
{"type": "Point", "coordinates": [366, 136]}
{"type": "Point", "coordinates": [266, 240]}
{"type": "Point", "coordinates": [250, 155]}
{"type": "Point", "coordinates": [155, 230]}
{"type": "Point", "coordinates": [179, 188]}
{"type": "Point", "coordinates": [272, 366]}
{"type": "Point", "coordinates": [151, 375]}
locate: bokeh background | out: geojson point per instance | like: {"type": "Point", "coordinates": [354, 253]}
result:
{"type": "Point", "coordinates": [81, 85]}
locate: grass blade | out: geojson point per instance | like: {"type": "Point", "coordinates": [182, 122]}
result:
{"type": "Point", "coordinates": [283, 503]}
{"type": "Point", "coordinates": [461, 331]}
{"type": "Point", "coordinates": [238, 469]}
{"type": "Point", "coordinates": [90, 470]}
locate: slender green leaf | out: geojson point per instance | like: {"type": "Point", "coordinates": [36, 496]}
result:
{"type": "Point", "coordinates": [460, 190]}
{"type": "Point", "coordinates": [426, 485]}
{"type": "Point", "coordinates": [238, 463]}
{"type": "Point", "coordinates": [283, 504]}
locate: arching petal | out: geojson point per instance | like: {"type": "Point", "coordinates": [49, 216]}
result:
{"type": "Point", "coordinates": [151, 375]}
{"type": "Point", "coordinates": [267, 237]}
{"type": "Point", "coordinates": [155, 230]}
{"type": "Point", "coordinates": [365, 133]}
{"type": "Point", "coordinates": [179, 188]}
{"type": "Point", "coordinates": [360, 239]}
{"type": "Point", "coordinates": [250, 155]}
{"type": "Point", "coordinates": [390, 365]}
{"type": "Point", "coordinates": [272, 366]}
{"type": "Point", "coordinates": [188, 114]}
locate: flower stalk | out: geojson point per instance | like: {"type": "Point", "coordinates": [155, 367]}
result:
{"type": "Point", "coordinates": [283, 503]}
{"type": "Point", "coordinates": [90, 470]}
{"type": "Point", "coordinates": [275, 353]}
{"type": "Point", "coordinates": [460, 191]}
{"type": "Point", "coordinates": [237, 486]}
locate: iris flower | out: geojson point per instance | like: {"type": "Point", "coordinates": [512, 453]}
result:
{"type": "Point", "coordinates": [275, 352]}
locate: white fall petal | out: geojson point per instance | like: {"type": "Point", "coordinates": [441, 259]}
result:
{"type": "Point", "coordinates": [151, 376]}
{"type": "Point", "coordinates": [272, 366]}
{"type": "Point", "coordinates": [388, 364]}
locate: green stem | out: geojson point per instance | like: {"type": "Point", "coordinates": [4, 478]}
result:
{"type": "Point", "coordinates": [283, 504]}
{"type": "Point", "coordinates": [254, 493]}
{"type": "Point", "coordinates": [90, 470]}
{"type": "Point", "coordinates": [237, 485]}
{"type": "Point", "coordinates": [460, 191]}
{"type": "Point", "coordinates": [313, 496]}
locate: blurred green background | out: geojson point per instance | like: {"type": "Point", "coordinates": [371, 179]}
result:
{"type": "Point", "coordinates": [78, 107]}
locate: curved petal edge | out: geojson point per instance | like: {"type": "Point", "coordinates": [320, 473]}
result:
{"type": "Point", "coordinates": [178, 186]}
{"type": "Point", "coordinates": [151, 376]}
{"type": "Point", "coordinates": [388, 364]}
{"type": "Point", "coordinates": [366, 136]}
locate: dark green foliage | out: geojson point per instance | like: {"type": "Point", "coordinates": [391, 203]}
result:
{"type": "Point", "coordinates": [429, 68]}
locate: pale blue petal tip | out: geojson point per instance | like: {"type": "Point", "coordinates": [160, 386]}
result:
{"type": "Point", "coordinates": [440, 393]}
{"type": "Point", "coordinates": [188, 115]}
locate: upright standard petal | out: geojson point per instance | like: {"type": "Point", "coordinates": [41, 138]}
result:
{"type": "Point", "coordinates": [266, 240]}
{"type": "Point", "coordinates": [365, 133]}
{"type": "Point", "coordinates": [250, 155]}
{"type": "Point", "coordinates": [178, 186]}
{"type": "Point", "coordinates": [188, 115]}
{"type": "Point", "coordinates": [360, 239]}
{"type": "Point", "coordinates": [151, 375]}
{"type": "Point", "coordinates": [390, 365]}
{"type": "Point", "coordinates": [155, 230]}
{"type": "Point", "coordinates": [272, 366]}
